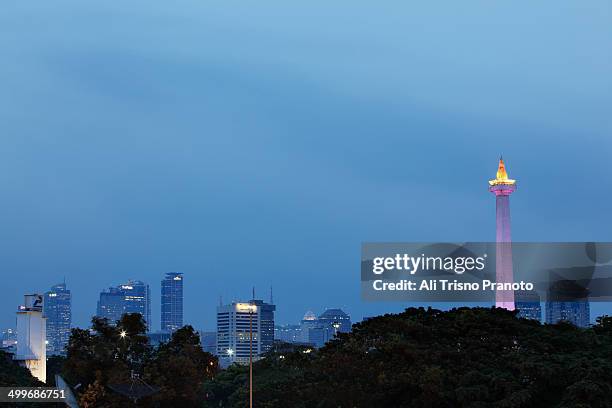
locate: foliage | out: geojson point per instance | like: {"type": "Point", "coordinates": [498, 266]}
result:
{"type": "Point", "coordinates": [180, 368]}
{"type": "Point", "coordinates": [428, 358]}
{"type": "Point", "coordinates": [55, 364]}
{"type": "Point", "coordinates": [12, 374]}
{"type": "Point", "coordinates": [106, 356]}
{"type": "Point", "coordinates": [466, 357]}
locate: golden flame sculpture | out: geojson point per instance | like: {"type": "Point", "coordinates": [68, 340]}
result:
{"type": "Point", "coordinates": [501, 177]}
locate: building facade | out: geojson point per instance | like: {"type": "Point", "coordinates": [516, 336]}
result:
{"type": "Point", "coordinates": [336, 320]}
{"type": "Point", "coordinates": [288, 333]}
{"type": "Point", "coordinates": [577, 312]}
{"type": "Point", "coordinates": [243, 327]}
{"type": "Point", "coordinates": [9, 340]}
{"type": "Point", "coordinates": [31, 350]}
{"type": "Point", "coordinates": [58, 312]}
{"type": "Point", "coordinates": [172, 302]}
{"type": "Point", "coordinates": [528, 305]}
{"type": "Point", "coordinates": [131, 297]}
{"type": "Point", "coordinates": [319, 330]}
{"type": "Point", "coordinates": [308, 323]}
{"type": "Point", "coordinates": [159, 337]}
{"type": "Point", "coordinates": [208, 340]}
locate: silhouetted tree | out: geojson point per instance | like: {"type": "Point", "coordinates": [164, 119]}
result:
{"type": "Point", "coordinates": [103, 360]}
{"type": "Point", "coordinates": [55, 365]}
{"type": "Point", "coordinates": [180, 368]}
{"type": "Point", "coordinates": [11, 373]}
{"type": "Point", "coordinates": [105, 355]}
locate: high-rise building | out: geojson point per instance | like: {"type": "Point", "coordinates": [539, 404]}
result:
{"type": "Point", "coordinates": [239, 324]}
{"type": "Point", "coordinates": [502, 187]}
{"type": "Point", "coordinates": [31, 351]}
{"type": "Point", "coordinates": [172, 302]}
{"type": "Point", "coordinates": [57, 310]}
{"type": "Point", "coordinates": [131, 297]}
{"type": "Point", "coordinates": [111, 304]}
{"type": "Point", "coordinates": [9, 339]}
{"type": "Point", "coordinates": [289, 333]}
{"type": "Point", "coordinates": [308, 323]}
{"type": "Point", "coordinates": [208, 340]}
{"type": "Point", "coordinates": [576, 312]}
{"type": "Point", "coordinates": [159, 337]}
{"type": "Point", "coordinates": [528, 305]}
{"type": "Point", "coordinates": [336, 320]}
{"type": "Point", "coordinates": [567, 301]}
{"type": "Point", "coordinates": [318, 331]}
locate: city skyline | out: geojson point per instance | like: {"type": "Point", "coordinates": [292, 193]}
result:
{"type": "Point", "coordinates": [267, 157]}
{"type": "Point", "coordinates": [119, 292]}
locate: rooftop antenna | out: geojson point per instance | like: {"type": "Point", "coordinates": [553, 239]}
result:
{"type": "Point", "coordinates": [220, 300]}
{"type": "Point", "coordinates": [253, 292]}
{"type": "Point", "coordinates": [271, 297]}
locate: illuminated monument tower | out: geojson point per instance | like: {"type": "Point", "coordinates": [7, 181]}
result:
{"type": "Point", "coordinates": [502, 187]}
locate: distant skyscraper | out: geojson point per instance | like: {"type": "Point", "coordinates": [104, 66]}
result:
{"type": "Point", "coordinates": [172, 302]}
{"type": "Point", "coordinates": [208, 340]}
{"type": "Point", "coordinates": [567, 300]}
{"type": "Point", "coordinates": [58, 311]}
{"type": "Point", "coordinates": [502, 187]}
{"type": "Point", "coordinates": [576, 312]}
{"type": "Point", "coordinates": [157, 338]}
{"type": "Point", "coordinates": [111, 304]}
{"type": "Point", "coordinates": [266, 324]}
{"type": "Point", "coordinates": [9, 339]}
{"type": "Point", "coordinates": [131, 297]}
{"type": "Point", "coordinates": [234, 324]}
{"type": "Point", "coordinates": [318, 331]}
{"type": "Point", "coordinates": [289, 333]}
{"type": "Point", "coordinates": [335, 321]}
{"type": "Point", "coordinates": [528, 305]}
{"type": "Point", "coordinates": [308, 323]}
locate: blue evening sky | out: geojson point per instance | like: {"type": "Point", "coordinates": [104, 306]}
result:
{"type": "Point", "coordinates": [259, 143]}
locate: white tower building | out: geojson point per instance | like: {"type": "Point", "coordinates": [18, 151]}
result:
{"type": "Point", "coordinates": [244, 328]}
{"type": "Point", "coordinates": [31, 337]}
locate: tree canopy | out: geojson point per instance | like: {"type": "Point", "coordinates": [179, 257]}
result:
{"type": "Point", "coordinates": [107, 358]}
{"type": "Point", "coordinates": [422, 358]}
{"type": "Point", "coordinates": [12, 374]}
{"type": "Point", "coordinates": [466, 357]}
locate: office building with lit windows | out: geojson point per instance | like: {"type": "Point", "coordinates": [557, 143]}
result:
{"type": "Point", "coordinates": [236, 323]}
{"type": "Point", "coordinates": [172, 302]}
{"type": "Point", "coordinates": [131, 297]}
{"type": "Point", "coordinates": [58, 312]}
{"type": "Point", "coordinates": [576, 312]}
{"type": "Point", "coordinates": [528, 305]}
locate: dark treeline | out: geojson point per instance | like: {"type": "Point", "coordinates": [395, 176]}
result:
{"type": "Point", "coordinates": [114, 365]}
{"type": "Point", "coordinates": [467, 357]}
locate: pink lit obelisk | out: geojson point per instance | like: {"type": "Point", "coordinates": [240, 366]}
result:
{"type": "Point", "coordinates": [502, 187]}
